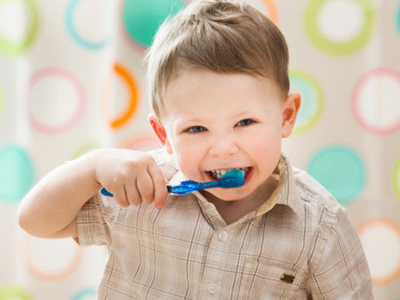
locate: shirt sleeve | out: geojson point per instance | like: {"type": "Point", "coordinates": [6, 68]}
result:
{"type": "Point", "coordinates": [339, 269]}
{"type": "Point", "coordinates": [93, 223]}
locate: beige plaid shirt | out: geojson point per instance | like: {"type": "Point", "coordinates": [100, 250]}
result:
{"type": "Point", "coordinates": [300, 244]}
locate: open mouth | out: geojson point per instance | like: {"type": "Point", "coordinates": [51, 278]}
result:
{"type": "Point", "coordinates": [218, 174]}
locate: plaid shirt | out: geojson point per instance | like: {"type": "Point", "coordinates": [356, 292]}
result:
{"type": "Point", "coordinates": [300, 244]}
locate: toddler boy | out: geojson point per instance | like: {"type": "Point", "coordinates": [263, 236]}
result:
{"type": "Point", "coordinates": [218, 74]}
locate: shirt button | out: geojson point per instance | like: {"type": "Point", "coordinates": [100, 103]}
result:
{"type": "Point", "coordinates": [212, 288]}
{"type": "Point", "coordinates": [223, 236]}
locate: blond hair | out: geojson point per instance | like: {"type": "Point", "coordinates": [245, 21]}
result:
{"type": "Point", "coordinates": [221, 36]}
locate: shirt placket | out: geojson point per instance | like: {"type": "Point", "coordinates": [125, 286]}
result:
{"type": "Point", "coordinates": [215, 265]}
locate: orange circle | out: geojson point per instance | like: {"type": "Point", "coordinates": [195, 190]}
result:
{"type": "Point", "coordinates": [40, 274]}
{"type": "Point", "coordinates": [273, 13]}
{"type": "Point", "coordinates": [379, 281]}
{"type": "Point", "coordinates": [133, 89]}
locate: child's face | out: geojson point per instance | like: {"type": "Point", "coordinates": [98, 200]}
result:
{"type": "Point", "coordinates": [215, 122]}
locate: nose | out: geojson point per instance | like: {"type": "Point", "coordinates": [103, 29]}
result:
{"type": "Point", "coordinates": [223, 147]}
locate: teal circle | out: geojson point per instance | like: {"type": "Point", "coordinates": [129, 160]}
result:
{"type": "Point", "coordinates": [69, 20]}
{"type": "Point", "coordinates": [84, 293]}
{"type": "Point", "coordinates": [142, 18]}
{"type": "Point", "coordinates": [331, 47]}
{"type": "Point", "coordinates": [398, 19]}
{"type": "Point", "coordinates": [340, 170]}
{"type": "Point", "coordinates": [16, 173]}
{"type": "Point", "coordinates": [14, 292]}
{"type": "Point", "coordinates": [312, 100]}
{"type": "Point", "coordinates": [16, 48]}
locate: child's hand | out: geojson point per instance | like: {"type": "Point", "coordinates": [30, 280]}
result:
{"type": "Point", "coordinates": [133, 177]}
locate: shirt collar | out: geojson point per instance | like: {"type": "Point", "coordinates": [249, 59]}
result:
{"type": "Point", "coordinates": [286, 192]}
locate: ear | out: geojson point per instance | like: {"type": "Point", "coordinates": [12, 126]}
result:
{"type": "Point", "coordinates": [160, 132]}
{"type": "Point", "coordinates": [289, 113]}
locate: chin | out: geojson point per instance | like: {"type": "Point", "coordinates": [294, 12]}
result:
{"type": "Point", "coordinates": [230, 194]}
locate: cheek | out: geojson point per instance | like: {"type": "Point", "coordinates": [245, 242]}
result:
{"type": "Point", "coordinates": [266, 150]}
{"type": "Point", "coordinates": [188, 157]}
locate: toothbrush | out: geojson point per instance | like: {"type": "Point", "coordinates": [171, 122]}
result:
{"type": "Point", "coordinates": [233, 179]}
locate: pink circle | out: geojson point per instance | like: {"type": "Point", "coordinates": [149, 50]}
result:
{"type": "Point", "coordinates": [41, 273]}
{"type": "Point", "coordinates": [56, 72]}
{"type": "Point", "coordinates": [143, 142]}
{"type": "Point", "coordinates": [380, 73]}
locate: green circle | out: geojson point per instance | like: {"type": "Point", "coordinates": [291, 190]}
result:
{"type": "Point", "coordinates": [142, 18]}
{"type": "Point", "coordinates": [340, 170]}
{"type": "Point", "coordinates": [13, 292]}
{"type": "Point", "coordinates": [85, 149]}
{"type": "Point", "coordinates": [328, 46]}
{"type": "Point", "coordinates": [312, 100]}
{"type": "Point", "coordinates": [16, 48]}
{"type": "Point", "coordinates": [396, 179]}
{"type": "Point", "coordinates": [16, 173]}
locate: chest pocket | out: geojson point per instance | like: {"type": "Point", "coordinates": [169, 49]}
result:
{"type": "Point", "coordinates": [265, 281]}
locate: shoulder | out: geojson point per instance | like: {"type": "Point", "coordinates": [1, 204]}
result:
{"type": "Point", "coordinates": [320, 202]}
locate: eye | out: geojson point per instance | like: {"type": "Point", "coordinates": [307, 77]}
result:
{"type": "Point", "coordinates": [245, 122]}
{"type": "Point", "coordinates": [196, 129]}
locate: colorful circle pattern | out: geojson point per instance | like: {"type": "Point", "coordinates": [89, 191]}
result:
{"type": "Point", "coordinates": [69, 20]}
{"type": "Point", "coordinates": [330, 44]}
{"type": "Point", "coordinates": [15, 292]}
{"type": "Point", "coordinates": [84, 293]}
{"type": "Point", "coordinates": [398, 19]}
{"type": "Point", "coordinates": [132, 86]}
{"type": "Point", "coordinates": [396, 179]}
{"type": "Point", "coordinates": [340, 170]}
{"type": "Point", "coordinates": [69, 78]}
{"type": "Point", "coordinates": [16, 173]}
{"type": "Point", "coordinates": [379, 115]}
{"type": "Point", "coordinates": [1, 102]}
{"type": "Point", "coordinates": [15, 48]}
{"type": "Point", "coordinates": [142, 18]}
{"type": "Point", "coordinates": [32, 247]}
{"type": "Point", "coordinates": [312, 100]}
{"type": "Point", "coordinates": [384, 262]}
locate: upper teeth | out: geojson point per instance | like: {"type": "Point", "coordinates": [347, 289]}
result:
{"type": "Point", "coordinates": [218, 174]}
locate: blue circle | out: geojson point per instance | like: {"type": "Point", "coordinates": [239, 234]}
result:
{"type": "Point", "coordinates": [69, 20]}
{"type": "Point", "coordinates": [83, 293]}
{"type": "Point", "coordinates": [16, 173]}
{"type": "Point", "coordinates": [340, 170]}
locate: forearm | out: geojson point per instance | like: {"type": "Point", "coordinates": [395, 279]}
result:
{"type": "Point", "coordinates": [55, 201]}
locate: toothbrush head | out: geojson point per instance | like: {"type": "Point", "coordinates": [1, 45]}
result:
{"type": "Point", "coordinates": [233, 179]}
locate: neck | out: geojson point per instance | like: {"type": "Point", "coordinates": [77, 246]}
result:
{"type": "Point", "coordinates": [231, 211]}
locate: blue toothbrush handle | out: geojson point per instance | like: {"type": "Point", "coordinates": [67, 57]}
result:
{"type": "Point", "coordinates": [189, 186]}
{"type": "Point", "coordinates": [179, 189]}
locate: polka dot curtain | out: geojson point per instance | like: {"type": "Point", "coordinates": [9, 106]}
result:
{"type": "Point", "coordinates": [72, 80]}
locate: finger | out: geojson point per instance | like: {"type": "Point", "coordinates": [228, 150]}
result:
{"type": "Point", "coordinates": [120, 196]}
{"type": "Point", "coordinates": [132, 193]}
{"type": "Point", "coordinates": [145, 188]}
{"type": "Point", "coordinates": [160, 188]}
